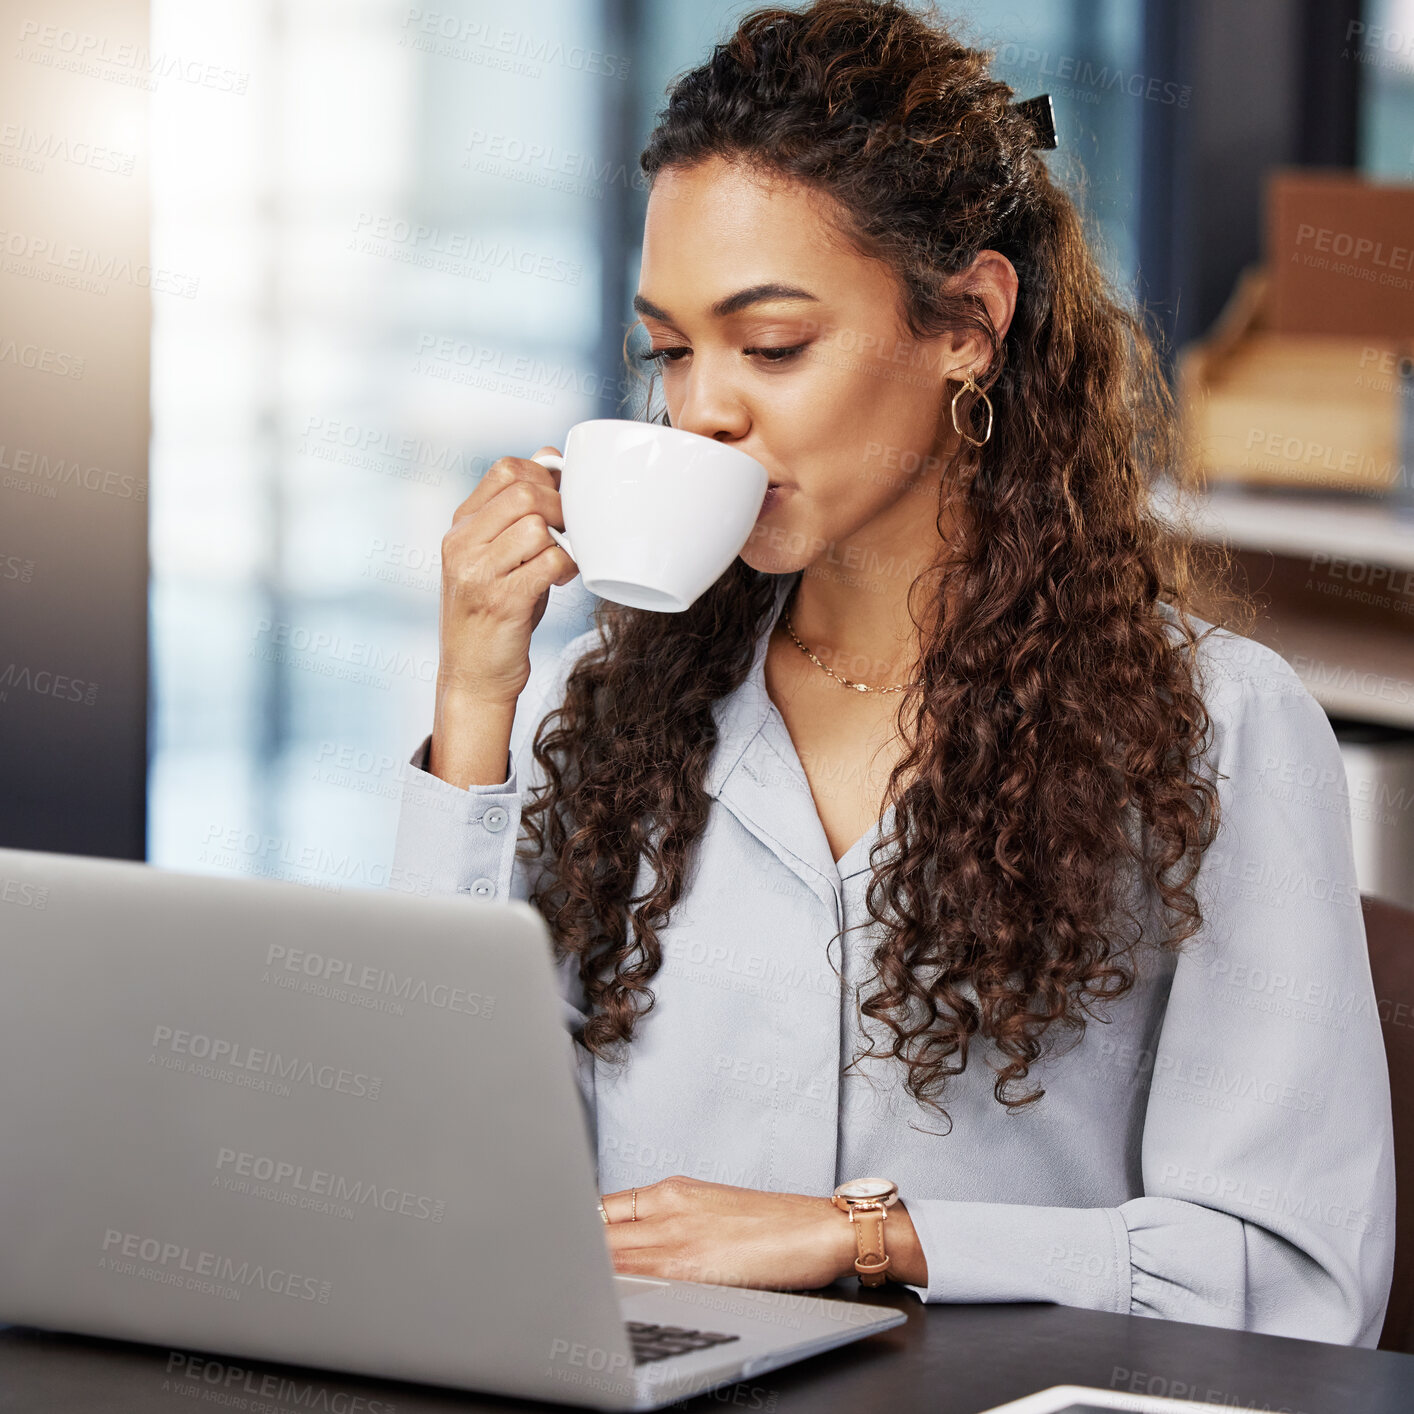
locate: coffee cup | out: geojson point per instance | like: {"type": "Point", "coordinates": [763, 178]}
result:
{"type": "Point", "coordinates": [653, 515]}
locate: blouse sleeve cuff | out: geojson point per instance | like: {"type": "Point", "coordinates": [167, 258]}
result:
{"type": "Point", "coordinates": [1022, 1252]}
{"type": "Point", "coordinates": [457, 840]}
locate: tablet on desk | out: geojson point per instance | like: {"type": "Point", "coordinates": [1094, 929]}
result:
{"type": "Point", "coordinates": [1078, 1399]}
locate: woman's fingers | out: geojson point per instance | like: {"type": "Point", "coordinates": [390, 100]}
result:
{"type": "Point", "coordinates": [669, 1195]}
{"type": "Point", "coordinates": [681, 1195]}
{"type": "Point", "coordinates": [619, 1206]}
{"type": "Point", "coordinates": [503, 472]}
{"type": "Point", "coordinates": [657, 1249]}
{"type": "Point", "coordinates": [498, 564]}
{"type": "Point", "coordinates": [779, 1240]}
{"type": "Point", "coordinates": [553, 474]}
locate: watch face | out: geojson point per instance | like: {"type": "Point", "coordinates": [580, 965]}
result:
{"type": "Point", "coordinates": [866, 1188]}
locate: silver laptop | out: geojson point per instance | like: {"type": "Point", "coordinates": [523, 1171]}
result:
{"type": "Point", "coordinates": [333, 1129]}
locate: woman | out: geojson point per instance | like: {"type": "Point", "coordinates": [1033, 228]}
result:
{"type": "Point", "coordinates": [1040, 993]}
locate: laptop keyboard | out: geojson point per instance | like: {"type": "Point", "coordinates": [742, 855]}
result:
{"type": "Point", "coordinates": [654, 1342]}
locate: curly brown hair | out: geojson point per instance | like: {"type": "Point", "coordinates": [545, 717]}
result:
{"type": "Point", "coordinates": [1052, 748]}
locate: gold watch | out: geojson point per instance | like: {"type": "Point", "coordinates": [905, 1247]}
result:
{"type": "Point", "coordinates": [867, 1201]}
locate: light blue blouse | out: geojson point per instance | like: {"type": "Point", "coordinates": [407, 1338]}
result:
{"type": "Point", "coordinates": [1220, 1152]}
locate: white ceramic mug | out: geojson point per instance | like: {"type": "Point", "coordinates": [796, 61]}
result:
{"type": "Point", "coordinates": [656, 514]}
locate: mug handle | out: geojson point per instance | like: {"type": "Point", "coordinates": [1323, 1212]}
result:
{"type": "Point", "coordinates": [553, 462]}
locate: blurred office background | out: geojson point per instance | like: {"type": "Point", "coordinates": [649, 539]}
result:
{"type": "Point", "coordinates": [399, 241]}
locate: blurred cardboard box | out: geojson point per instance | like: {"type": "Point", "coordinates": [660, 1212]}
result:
{"type": "Point", "coordinates": [1319, 411]}
{"type": "Point", "coordinates": [1340, 249]}
{"type": "Point", "coordinates": [1297, 383]}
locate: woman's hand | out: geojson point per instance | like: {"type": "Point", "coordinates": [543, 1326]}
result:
{"type": "Point", "coordinates": [498, 563]}
{"type": "Point", "coordinates": [690, 1230]}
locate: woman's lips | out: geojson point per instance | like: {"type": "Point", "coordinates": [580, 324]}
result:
{"type": "Point", "coordinates": [773, 495]}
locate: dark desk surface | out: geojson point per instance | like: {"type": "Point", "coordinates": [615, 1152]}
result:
{"type": "Point", "coordinates": [946, 1360]}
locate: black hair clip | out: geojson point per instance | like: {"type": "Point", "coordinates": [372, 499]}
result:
{"type": "Point", "coordinates": [1042, 117]}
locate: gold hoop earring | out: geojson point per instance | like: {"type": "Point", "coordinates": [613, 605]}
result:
{"type": "Point", "coordinates": [970, 386]}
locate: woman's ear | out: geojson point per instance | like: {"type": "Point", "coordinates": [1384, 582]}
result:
{"type": "Point", "coordinates": [992, 276]}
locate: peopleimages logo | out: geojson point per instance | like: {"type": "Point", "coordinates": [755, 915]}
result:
{"type": "Point", "coordinates": [173, 1264]}
{"type": "Point", "coordinates": [319, 1189]}
{"type": "Point", "coordinates": [52, 472]}
{"type": "Point", "coordinates": [321, 967]}
{"type": "Point", "coordinates": [199, 1377]}
{"type": "Point", "coordinates": [1269, 1198]}
{"type": "Point", "coordinates": [230, 1061]}
{"type": "Point", "coordinates": [46, 684]}
{"type": "Point", "coordinates": [62, 262]}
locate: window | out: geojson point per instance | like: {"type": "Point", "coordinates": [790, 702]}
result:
{"type": "Point", "coordinates": [1384, 48]}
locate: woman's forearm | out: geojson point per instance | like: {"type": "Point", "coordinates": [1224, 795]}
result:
{"type": "Point", "coordinates": [470, 740]}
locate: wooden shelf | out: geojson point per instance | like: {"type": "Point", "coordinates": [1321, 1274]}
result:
{"type": "Point", "coordinates": [1300, 524]}
{"type": "Point", "coordinates": [1351, 642]}
{"type": "Point", "coordinates": [1364, 674]}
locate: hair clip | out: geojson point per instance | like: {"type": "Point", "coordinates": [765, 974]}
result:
{"type": "Point", "coordinates": [1042, 117]}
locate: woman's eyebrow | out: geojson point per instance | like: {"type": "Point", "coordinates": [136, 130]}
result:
{"type": "Point", "coordinates": [732, 304]}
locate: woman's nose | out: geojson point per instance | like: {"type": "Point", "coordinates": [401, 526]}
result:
{"type": "Point", "coordinates": [712, 408]}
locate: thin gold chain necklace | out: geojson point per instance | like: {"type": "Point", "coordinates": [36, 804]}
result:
{"type": "Point", "coordinates": [857, 686]}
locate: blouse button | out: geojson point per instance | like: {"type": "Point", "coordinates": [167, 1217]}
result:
{"type": "Point", "coordinates": [495, 819]}
{"type": "Point", "coordinates": [482, 887]}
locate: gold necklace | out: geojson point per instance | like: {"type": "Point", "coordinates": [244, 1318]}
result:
{"type": "Point", "coordinates": [857, 686]}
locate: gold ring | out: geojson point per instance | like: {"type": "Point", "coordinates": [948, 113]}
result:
{"type": "Point", "coordinates": [634, 1218]}
{"type": "Point", "coordinates": [602, 1213]}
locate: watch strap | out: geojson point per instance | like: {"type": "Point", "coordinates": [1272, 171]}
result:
{"type": "Point", "coordinates": [872, 1263]}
